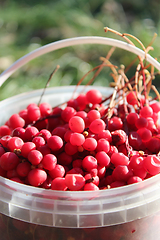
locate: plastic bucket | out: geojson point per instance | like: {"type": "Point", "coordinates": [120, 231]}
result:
{"type": "Point", "coordinates": [124, 213]}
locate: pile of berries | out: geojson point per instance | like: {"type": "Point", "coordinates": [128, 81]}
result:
{"type": "Point", "coordinates": [84, 145]}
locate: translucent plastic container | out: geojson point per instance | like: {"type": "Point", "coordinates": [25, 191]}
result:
{"type": "Point", "coordinates": [126, 213]}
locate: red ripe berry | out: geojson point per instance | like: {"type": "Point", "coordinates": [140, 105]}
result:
{"type": "Point", "coordinates": [4, 130]}
{"type": "Point", "coordinates": [152, 164]}
{"type": "Point", "coordinates": [81, 114]}
{"type": "Point", "coordinates": [89, 162]}
{"type": "Point", "coordinates": [119, 159]}
{"type": "Point", "coordinates": [77, 139]}
{"type": "Point", "coordinates": [49, 162]}
{"type": "Point", "coordinates": [58, 171]}
{"type": "Point", "coordinates": [146, 111]}
{"type": "Point", "coordinates": [90, 144]}
{"type": "Point", "coordinates": [155, 107]}
{"type": "Point", "coordinates": [97, 126]}
{"type": "Point", "coordinates": [35, 157]}
{"type": "Point", "coordinates": [16, 121]}
{"type": "Point", "coordinates": [55, 143]}
{"type": "Point", "coordinates": [135, 140]}
{"type": "Point", "coordinates": [59, 184]}
{"type": "Point", "coordinates": [105, 134]}
{"type": "Point", "coordinates": [37, 177]}
{"type": "Point", "coordinates": [103, 145]}
{"type": "Point", "coordinates": [19, 132]}
{"type": "Point", "coordinates": [136, 162]}
{"type": "Point", "coordinates": [119, 137]}
{"type": "Point", "coordinates": [76, 124]}
{"type": "Point", "coordinates": [34, 112]}
{"type": "Point", "coordinates": [9, 161]}
{"type": "Point", "coordinates": [145, 134]}
{"type": "Point", "coordinates": [122, 173]}
{"type": "Point", "coordinates": [132, 98]}
{"type": "Point", "coordinates": [103, 159]}
{"type": "Point", "coordinates": [74, 182]}
{"type": "Point", "coordinates": [38, 141]}
{"type": "Point", "coordinates": [15, 143]}
{"type": "Point", "coordinates": [81, 101]}
{"type": "Point", "coordinates": [93, 114]}
{"type": "Point", "coordinates": [134, 179]}
{"type": "Point", "coordinates": [153, 145]}
{"type": "Point", "coordinates": [115, 123]}
{"type": "Point", "coordinates": [94, 96]}
{"type": "Point", "coordinates": [131, 118]}
{"type": "Point", "coordinates": [4, 140]}
{"type": "Point", "coordinates": [91, 187]}
{"type": "Point", "coordinates": [45, 109]}
{"type": "Point", "coordinates": [68, 113]}
{"type": "Point", "coordinates": [141, 122]}
{"type": "Point", "coordinates": [23, 169]}
{"type": "Point", "coordinates": [116, 184]}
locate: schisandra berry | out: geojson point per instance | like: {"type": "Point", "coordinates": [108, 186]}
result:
{"type": "Point", "coordinates": [77, 124]}
{"type": "Point", "coordinates": [37, 177]}
{"type": "Point", "coordinates": [90, 144]}
{"type": "Point", "coordinates": [15, 143]}
{"type": "Point", "coordinates": [16, 121]}
{"type": "Point", "coordinates": [97, 126]}
{"type": "Point", "coordinates": [9, 161]}
{"type": "Point", "coordinates": [59, 184]}
{"type": "Point", "coordinates": [49, 162]}
{"type": "Point", "coordinates": [152, 164]}
{"type": "Point", "coordinates": [77, 139]}
{"type": "Point", "coordinates": [55, 143]}
{"type": "Point", "coordinates": [119, 159]}
{"type": "Point", "coordinates": [74, 182]}
{"type": "Point", "coordinates": [4, 130]}
{"type": "Point", "coordinates": [119, 137]}
{"type": "Point", "coordinates": [89, 162]}
{"type": "Point", "coordinates": [115, 123]}
{"type": "Point", "coordinates": [23, 169]}
{"type": "Point", "coordinates": [94, 96]}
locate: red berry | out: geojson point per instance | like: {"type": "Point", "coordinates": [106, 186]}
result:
{"type": "Point", "coordinates": [77, 124]}
{"type": "Point", "coordinates": [36, 177]}
{"type": "Point", "coordinates": [94, 96]}
{"type": "Point", "coordinates": [9, 161]}
{"type": "Point", "coordinates": [35, 157]}
{"type": "Point", "coordinates": [74, 182]}
{"type": "Point", "coordinates": [97, 126]}
{"type": "Point", "coordinates": [59, 184]}
{"type": "Point", "coordinates": [49, 162]}
{"type": "Point", "coordinates": [119, 159]}
{"type": "Point", "coordinates": [55, 143]}
{"type": "Point", "coordinates": [89, 162]}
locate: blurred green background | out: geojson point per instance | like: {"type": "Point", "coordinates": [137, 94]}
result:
{"type": "Point", "coordinates": [27, 25]}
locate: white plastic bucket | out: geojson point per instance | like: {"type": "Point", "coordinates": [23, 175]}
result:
{"type": "Point", "coordinates": [129, 212]}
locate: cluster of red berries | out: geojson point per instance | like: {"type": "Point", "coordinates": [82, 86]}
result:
{"type": "Point", "coordinates": [79, 147]}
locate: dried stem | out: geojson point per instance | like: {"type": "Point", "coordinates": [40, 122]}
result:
{"type": "Point", "coordinates": [47, 84]}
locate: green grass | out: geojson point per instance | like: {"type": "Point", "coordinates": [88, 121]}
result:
{"type": "Point", "coordinates": [27, 25]}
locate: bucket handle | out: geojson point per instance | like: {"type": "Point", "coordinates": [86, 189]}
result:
{"type": "Point", "coordinates": [72, 42]}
